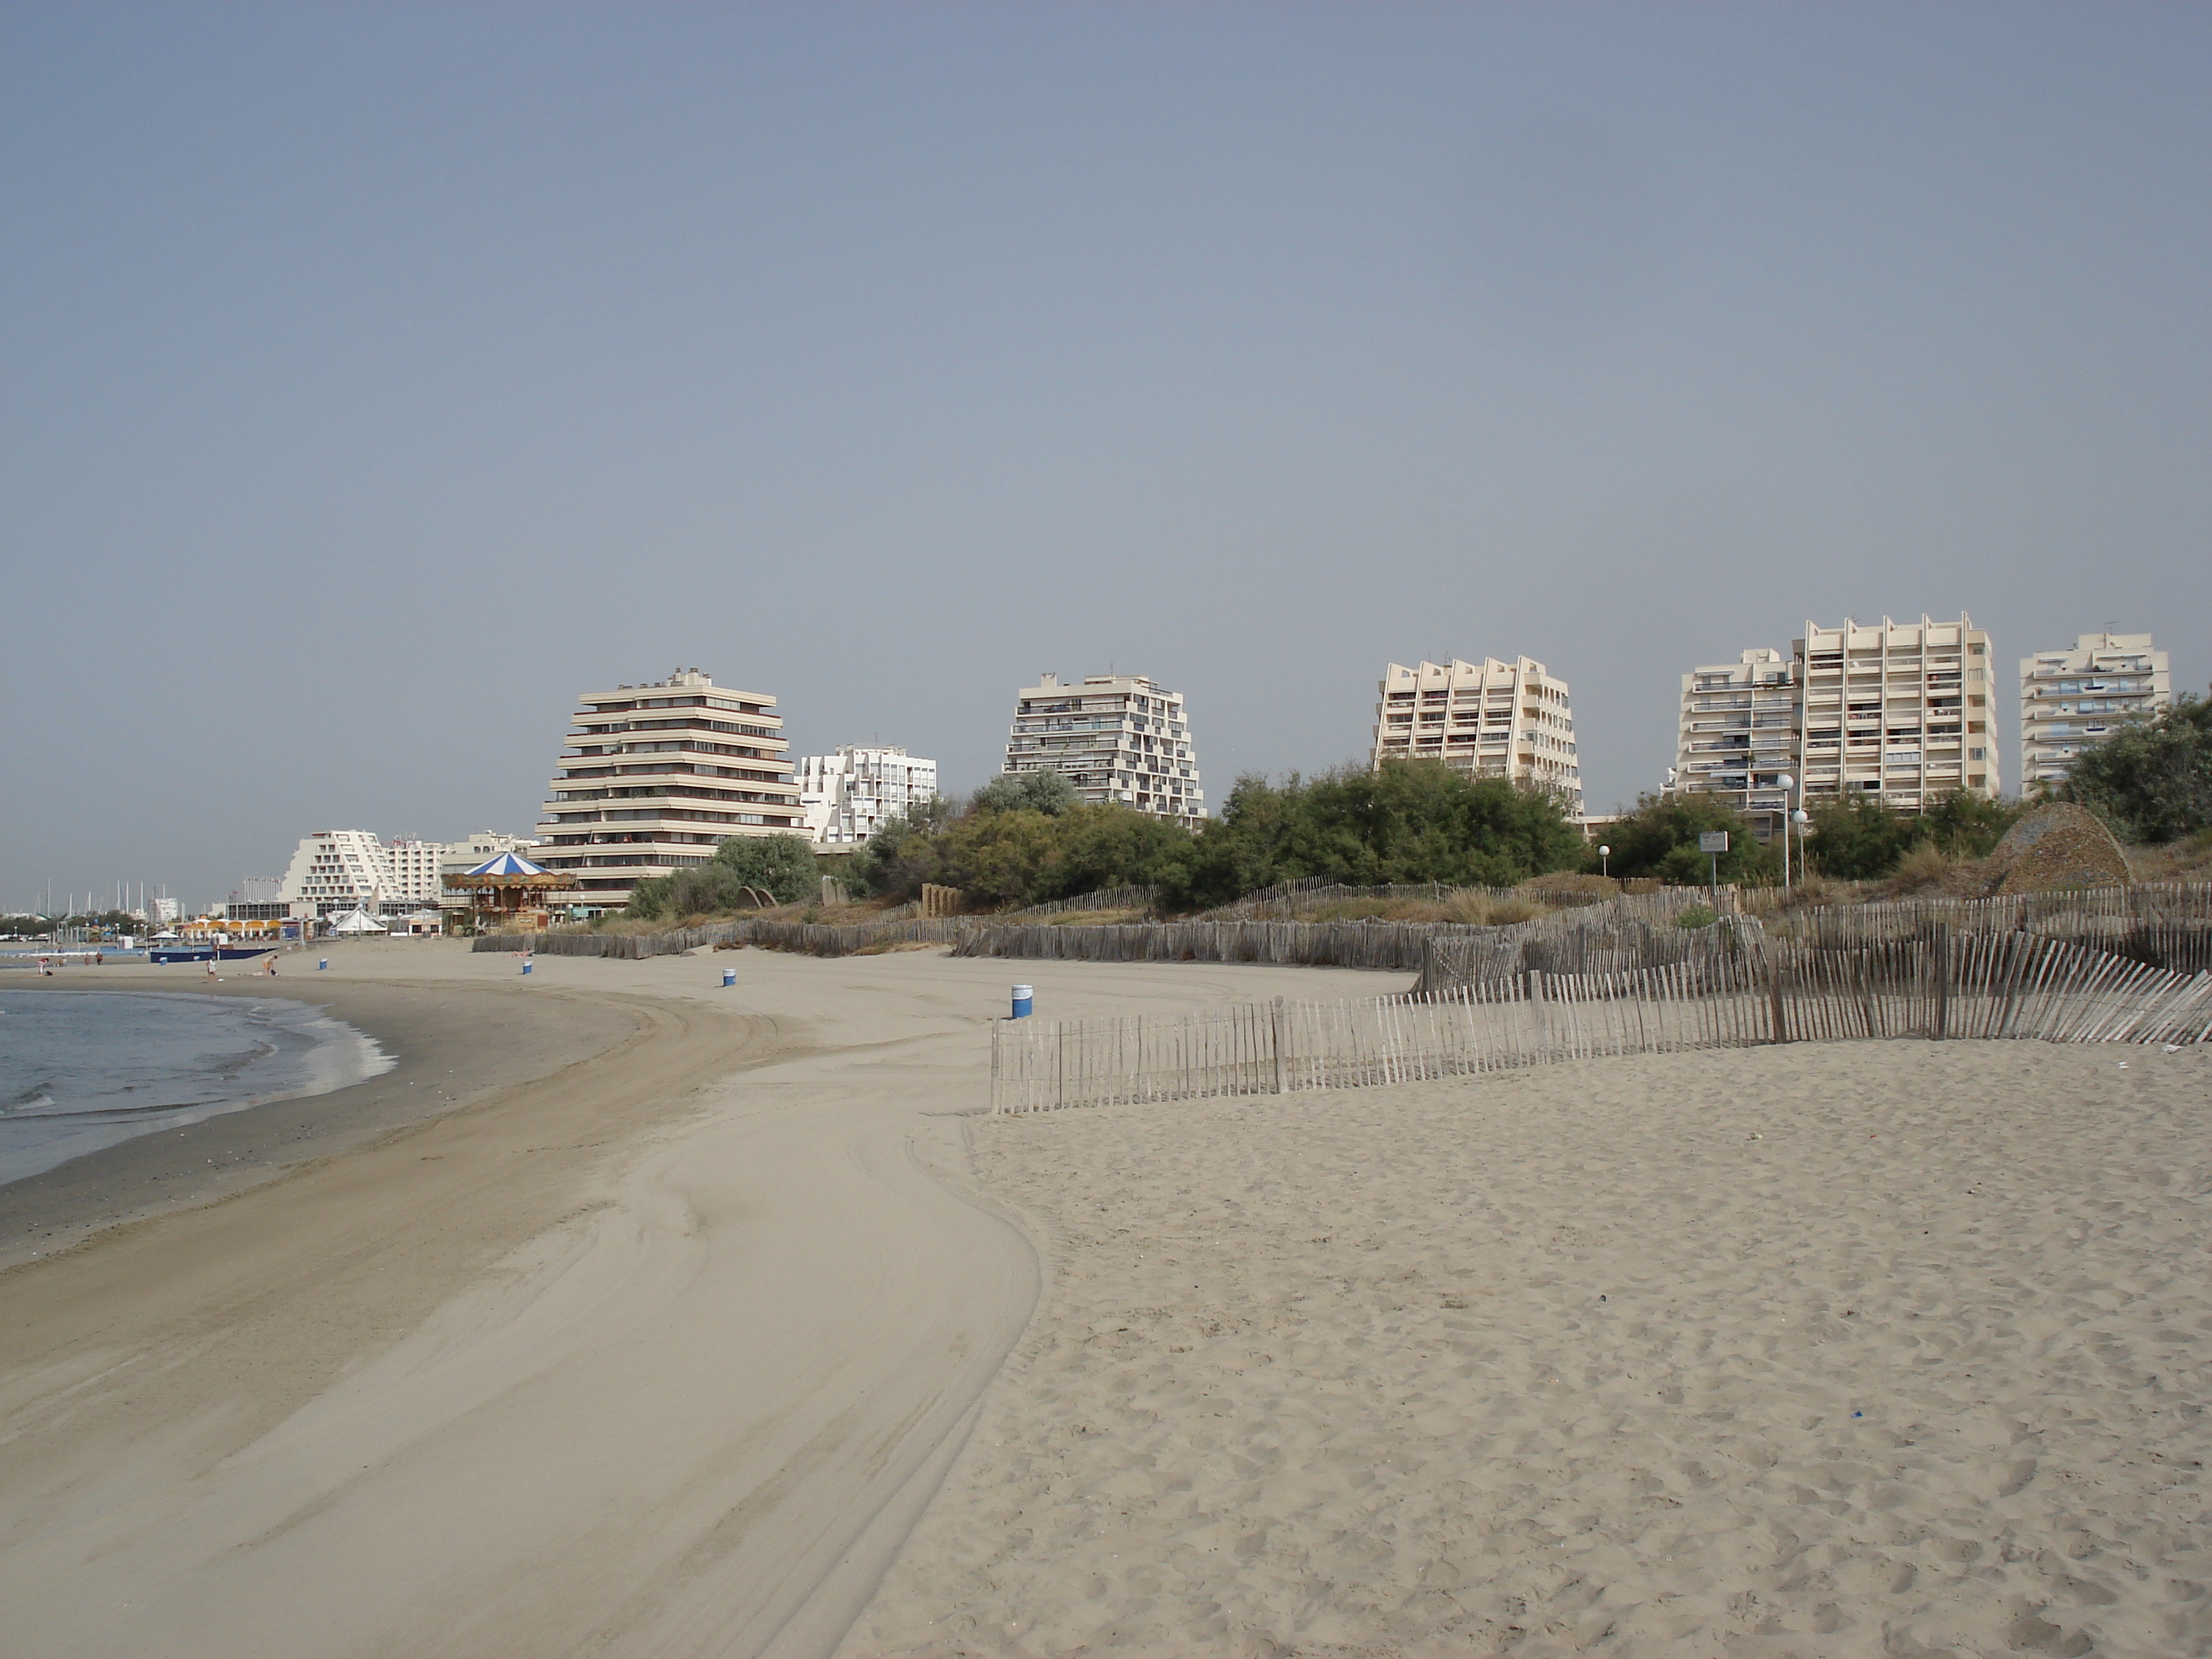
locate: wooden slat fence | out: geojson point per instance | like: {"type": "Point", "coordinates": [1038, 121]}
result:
{"type": "Point", "coordinates": [1981, 985]}
{"type": "Point", "coordinates": [1290, 900]}
{"type": "Point", "coordinates": [1109, 898]}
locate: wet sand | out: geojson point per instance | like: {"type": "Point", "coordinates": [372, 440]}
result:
{"type": "Point", "coordinates": [448, 1054]}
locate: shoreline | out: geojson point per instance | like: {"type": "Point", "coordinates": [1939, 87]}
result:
{"type": "Point", "coordinates": [444, 1062]}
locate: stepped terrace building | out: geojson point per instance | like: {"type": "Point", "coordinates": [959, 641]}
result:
{"type": "Point", "coordinates": [1902, 713]}
{"type": "Point", "coordinates": [334, 870]}
{"type": "Point", "coordinates": [655, 777]}
{"type": "Point", "coordinates": [1738, 735]}
{"type": "Point", "coordinates": [1489, 720]}
{"type": "Point", "coordinates": [2069, 698]}
{"type": "Point", "coordinates": [1116, 737]}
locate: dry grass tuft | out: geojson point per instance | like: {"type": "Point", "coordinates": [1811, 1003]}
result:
{"type": "Point", "coordinates": [1579, 883]}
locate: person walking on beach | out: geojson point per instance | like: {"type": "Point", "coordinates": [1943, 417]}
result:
{"type": "Point", "coordinates": [211, 970]}
{"type": "Point", "coordinates": [272, 964]}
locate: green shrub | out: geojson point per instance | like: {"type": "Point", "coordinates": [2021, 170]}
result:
{"type": "Point", "coordinates": [1404, 822]}
{"type": "Point", "coordinates": [2151, 780]}
{"type": "Point", "coordinates": [782, 867]}
{"type": "Point", "coordinates": [1660, 839]}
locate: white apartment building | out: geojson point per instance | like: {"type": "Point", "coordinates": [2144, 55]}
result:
{"type": "Point", "coordinates": [847, 797]}
{"type": "Point", "coordinates": [1738, 735]}
{"type": "Point", "coordinates": [1904, 712]}
{"type": "Point", "coordinates": [1115, 738]}
{"type": "Point", "coordinates": [2069, 698]}
{"type": "Point", "coordinates": [655, 777]}
{"type": "Point", "coordinates": [1489, 720]}
{"type": "Point", "coordinates": [337, 869]}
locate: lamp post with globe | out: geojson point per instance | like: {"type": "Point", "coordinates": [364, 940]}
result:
{"type": "Point", "coordinates": [1605, 862]}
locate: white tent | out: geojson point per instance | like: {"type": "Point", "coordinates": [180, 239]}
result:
{"type": "Point", "coordinates": [165, 933]}
{"type": "Point", "coordinates": [357, 921]}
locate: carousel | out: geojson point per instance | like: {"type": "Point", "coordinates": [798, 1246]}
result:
{"type": "Point", "coordinates": [509, 894]}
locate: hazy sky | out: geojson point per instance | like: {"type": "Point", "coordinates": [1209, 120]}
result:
{"type": "Point", "coordinates": [375, 377]}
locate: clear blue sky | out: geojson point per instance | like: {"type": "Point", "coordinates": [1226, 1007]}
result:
{"type": "Point", "coordinates": [376, 377]}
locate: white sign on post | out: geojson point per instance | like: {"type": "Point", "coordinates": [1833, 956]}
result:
{"type": "Point", "coordinates": [1712, 841]}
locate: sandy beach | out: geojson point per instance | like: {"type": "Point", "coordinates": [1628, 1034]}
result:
{"type": "Point", "coordinates": [685, 1321]}
{"type": "Point", "coordinates": [654, 1338]}
{"type": "Point", "coordinates": [1879, 1349]}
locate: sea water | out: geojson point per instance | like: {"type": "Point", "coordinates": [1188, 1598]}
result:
{"type": "Point", "coordinates": [81, 1070]}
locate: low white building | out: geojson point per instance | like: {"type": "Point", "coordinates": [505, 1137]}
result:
{"type": "Point", "coordinates": [2070, 698]}
{"type": "Point", "coordinates": [847, 797]}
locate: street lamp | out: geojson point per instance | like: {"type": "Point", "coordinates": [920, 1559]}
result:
{"type": "Point", "coordinates": [1605, 861]}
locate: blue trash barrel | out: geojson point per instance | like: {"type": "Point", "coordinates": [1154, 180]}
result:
{"type": "Point", "coordinates": [525, 964]}
{"type": "Point", "coordinates": [729, 977]}
{"type": "Point", "coordinates": [323, 964]}
{"type": "Point", "coordinates": [1023, 997]}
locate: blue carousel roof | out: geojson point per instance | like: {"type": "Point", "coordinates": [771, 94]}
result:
{"type": "Point", "coordinates": [508, 863]}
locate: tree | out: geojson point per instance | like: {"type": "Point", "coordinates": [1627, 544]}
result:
{"type": "Point", "coordinates": [781, 867]}
{"type": "Point", "coordinates": [2152, 779]}
{"type": "Point", "coordinates": [1857, 838]}
{"type": "Point", "coordinates": [1406, 821]}
{"type": "Point", "coordinates": [1048, 792]}
{"type": "Point", "coordinates": [1024, 857]}
{"type": "Point", "coordinates": [1659, 839]}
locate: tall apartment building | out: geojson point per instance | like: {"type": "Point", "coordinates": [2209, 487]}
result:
{"type": "Point", "coordinates": [1115, 738]}
{"type": "Point", "coordinates": [654, 777]}
{"type": "Point", "coordinates": [2068, 698]}
{"type": "Point", "coordinates": [1904, 712]}
{"type": "Point", "coordinates": [1738, 735]}
{"type": "Point", "coordinates": [847, 797]}
{"type": "Point", "coordinates": [1490, 719]}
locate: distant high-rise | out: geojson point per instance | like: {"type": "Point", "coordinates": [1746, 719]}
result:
{"type": "Point", "coordinates": [1489, 720]}
{"type": "Point", "coordinates": [1901, 713]}
{"type": "Point", "coordinates": [1738, 733]}
{"type": "Point", "coordinates": [847, 797]}
{"type": "Point", "coordinates": [655, 777]}
{"type": "Point", "coordinates": [2069, 698]}
{"type": "Point", "coordinates": [1115, 738]}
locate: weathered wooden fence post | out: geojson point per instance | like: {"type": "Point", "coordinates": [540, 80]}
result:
{"type": "Point", "coordinates": [1940, 1020]}
{"type": "Point", "coordinates": [1282, 1041]}
{"type": "Point", "coordinates": [995, 1023]}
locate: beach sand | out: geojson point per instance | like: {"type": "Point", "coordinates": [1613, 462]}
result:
{"type": "Point", "coordinates": [1871, 1349]}
{"type": "Point", "coordinates": [651, 1333]}
{"type": "Point", "coordinates": [680, 1321]}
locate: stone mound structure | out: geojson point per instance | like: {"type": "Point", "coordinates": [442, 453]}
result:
{"type": "Point", "coordinates": [2058, 845]}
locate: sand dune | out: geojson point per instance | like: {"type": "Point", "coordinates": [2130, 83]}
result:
{"type": "Point", "coordinates": [1824, 1351]}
